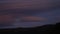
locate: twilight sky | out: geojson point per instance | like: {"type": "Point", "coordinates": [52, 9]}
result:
{"type": "Point", "coordinates": [29, 13]}
{"type": "Point", "coordinates": [28, 4]}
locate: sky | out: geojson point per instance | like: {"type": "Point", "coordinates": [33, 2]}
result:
{"type": "Point", "coordinates": [28, 13]}
{"type": "Point", "coordinates": [28, 4]}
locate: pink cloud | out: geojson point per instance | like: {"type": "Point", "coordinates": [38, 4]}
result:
{"type": "Point", "coordinates": [33, 19]}
{"type": "Point", "coordinates": [6, 18]}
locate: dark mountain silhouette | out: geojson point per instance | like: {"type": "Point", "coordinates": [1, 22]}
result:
{"type": "Point", "coordinates": [45, 29]}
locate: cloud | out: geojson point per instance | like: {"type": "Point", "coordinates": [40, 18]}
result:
{"type": "Point", "coordinates": [6, 19]}
{"type": "Point", "coordinates": [26, 4]}
{"type": "Point", "coordinates": [33, 19]}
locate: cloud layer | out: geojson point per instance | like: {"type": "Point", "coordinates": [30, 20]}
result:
{"type": "Point", "coordinates": [27, 4]}
{"type": "Point", "coordinates": [33, 19]}
{"type": "Point", "coordinates": [6, 19]}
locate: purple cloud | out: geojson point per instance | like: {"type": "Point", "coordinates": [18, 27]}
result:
{"type": "Point", "coordinates": [28, 4]}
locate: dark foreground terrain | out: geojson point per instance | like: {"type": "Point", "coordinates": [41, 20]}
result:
{"type": "Point", "coordinates": [45, 29]}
